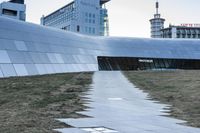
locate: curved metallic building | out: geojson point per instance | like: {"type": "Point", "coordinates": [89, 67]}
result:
{"type": "Point", "coordinates": [29, 49]}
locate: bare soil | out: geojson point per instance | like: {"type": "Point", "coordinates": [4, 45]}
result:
{"type": "Point", "coordinates": [181, 89]}
{"type": "Point", "coordinates": [31, 104]}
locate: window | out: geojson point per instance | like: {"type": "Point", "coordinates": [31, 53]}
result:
{"type": "Point", "coordinates": [9, 12]}
{"type": "Point", "coordinates": [90, 21]}
{"type": "Point", "coordinates": [90, 30]}
{"type": "Point", "coordinates": [93, 30]}
{"type": "Point", "coordinates": [90, 15]}
{"type": "Point", "coordinates": [86, 29]}
{"type": "Point", "coordinates": [78, 28]}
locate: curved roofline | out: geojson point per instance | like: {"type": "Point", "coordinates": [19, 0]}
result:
{"type": "Point", "coordinates": [104, 1]}
{"type": "Point", "coordinates": [51, 50]}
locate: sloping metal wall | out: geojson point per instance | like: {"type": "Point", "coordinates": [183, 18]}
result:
{"type": "Point", "coordinates": [29, 49]}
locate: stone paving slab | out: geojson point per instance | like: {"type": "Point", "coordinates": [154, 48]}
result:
{"type": "Point", "coordinates": [71, 130]}
{"type": "Point", "coordinates": [118, 105]}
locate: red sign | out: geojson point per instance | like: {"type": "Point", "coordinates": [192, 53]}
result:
{"type": "Point", "coordinates": [191, 25]}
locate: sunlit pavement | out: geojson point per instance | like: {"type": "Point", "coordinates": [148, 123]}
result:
{"type": "Point", "coordinates": [118, 106]}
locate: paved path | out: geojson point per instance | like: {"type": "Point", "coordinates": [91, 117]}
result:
{"type": "Point", "coordinates": [118, 106]}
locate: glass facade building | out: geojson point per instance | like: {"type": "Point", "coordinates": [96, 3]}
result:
{"type": "Point", "coordinates": [29, 49]}
{"type": "Point", "coordinates": [82, 16]}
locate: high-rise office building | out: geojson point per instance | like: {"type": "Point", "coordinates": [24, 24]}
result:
{"type": "Point", "coordinates": [15, 9]}
{"type": "Point", "coordinates": [83, 16]}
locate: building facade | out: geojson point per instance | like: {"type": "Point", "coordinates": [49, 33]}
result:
{"type": "Point", "coordinates": [157, 23]}
{"type": "Point", "coordinates": [184, 31]}
{"type": "Point", "coordinates": [15, 9]}
{"type": "Point", "coordinates": [30, 49]}
{"type": "Point", "coordinates": [190, 31]}
{"type": "Point", "coordinates": [82, 16]}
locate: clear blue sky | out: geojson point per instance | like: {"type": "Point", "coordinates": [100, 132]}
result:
{"type": "Point", "coordinates": [128, 17]}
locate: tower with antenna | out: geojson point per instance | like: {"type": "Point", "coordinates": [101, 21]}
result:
{"type": "Point", "coordinates": [157, 23]}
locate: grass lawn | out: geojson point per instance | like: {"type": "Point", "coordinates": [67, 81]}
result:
{"type": "Point", "coordinates": [181, 89]}
{"type": "Point", "coordinates": [31, 104]}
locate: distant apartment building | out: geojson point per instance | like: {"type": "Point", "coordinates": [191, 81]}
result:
{"type": "Point", "coordinates": [183, 31]}
{"type": "Point", "coordinates": [83, 16]}
{"type": "Point", "coordinates": [15, 9]}
{"type": "Point", "coordinates": [173, 31]}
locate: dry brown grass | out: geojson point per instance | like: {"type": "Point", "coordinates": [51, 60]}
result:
{"type": "Point", "coordinates": [181, 89]}
{"type": "Point", "coordinates": [31, 104]}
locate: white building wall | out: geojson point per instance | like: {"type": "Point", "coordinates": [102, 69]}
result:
{"type": "Point", "coordinates": [174, 32]}
{"type": "Point", "coordinates": [181, 32]}
{"type": "Point", "coordinates": [20, 8]}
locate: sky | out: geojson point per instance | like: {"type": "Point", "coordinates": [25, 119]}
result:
{"type": "Point", "coordinates": [128, 18]}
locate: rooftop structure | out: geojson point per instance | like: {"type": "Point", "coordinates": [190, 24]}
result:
{"type": "Point", "coordinates": [83, 16]}
{"type": "Point", "coordinates": [15, 9]}
{"type": "Point", "coordinates": [157, 23]}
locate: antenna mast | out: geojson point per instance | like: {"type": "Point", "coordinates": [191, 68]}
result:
{"type": "Point", "coordinates": [157, 6]}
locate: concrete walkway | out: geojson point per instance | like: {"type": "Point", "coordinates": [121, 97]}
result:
{"type": "Point", "coordinates": [118, 106]}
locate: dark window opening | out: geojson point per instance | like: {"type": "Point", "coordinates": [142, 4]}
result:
{"type": "Point", "coordinates": [9, 12]}
{"type": "Point", "coordinates": [131, 63]}
{"type": "Point", "coordinates": [78, 28]}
